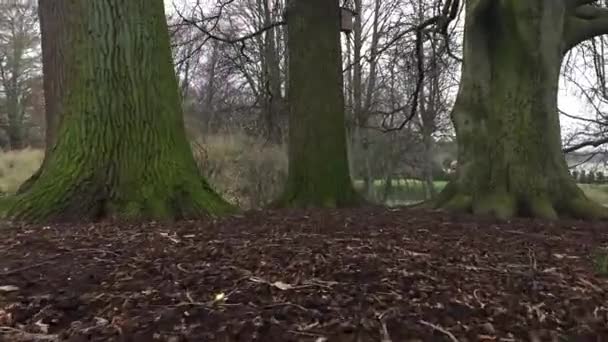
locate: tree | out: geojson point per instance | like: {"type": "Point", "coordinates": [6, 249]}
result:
{"type": "Point", "coordinates": [19, 41]}
{"type": "Point", "coordinates": [54, 41]}
{"type": "Point", "coordinates": [505, 115]}
{"type": "Point", "coordinates": [318, 162]}
{"type": "Point", "coordinates": [120, 150]}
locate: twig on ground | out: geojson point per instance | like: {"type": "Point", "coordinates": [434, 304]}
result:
{"type": "Point", "coordinates": [48, 260]}
{"type": "Point", "coordinates": [20, 269]}
{"type": "Point", "coordinates": [386, 337]}
{"type": "Point", "coordinates": [26, 336]}
{"type": "Point", "coordinates": [532, 259]}
{"type": "Point", "coordinates": [481, 304]}
{"type": "Point", "coordinates": [286, 304]}
{"type": "Point", "coordinates": [590, 284]}
{"type": "Point", "coordinates": [440, 329]}
{"type": "Point", "coordinates": [97, 250]}
{"type": "Point", "coordinates": [307, 333]}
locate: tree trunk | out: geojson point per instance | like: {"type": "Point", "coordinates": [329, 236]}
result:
{"type": "Point", "coordinates": [55, 43]}
{"type": "Point", "coordinates": [318, 161]}
{"type": "Point", "coordinates": [208, 112]}
{"type": "Point", "coordinates": [360, 136]}
{"type": "Point", "coordinates": [427, 113]}
{"type": "Point", "coordinates": [272, 81]}
{"type": "Point", "coordinates": [14, 93]}
{"type": "Point", "coordinates": [15, 129]}
{"type": "Point", "coordinates": [121, 150]}
{"type": "Point", "coordinates": [509, 147]}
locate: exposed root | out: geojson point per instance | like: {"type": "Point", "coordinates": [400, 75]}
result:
{"type": "Point", "coordinates": [583, 208]}
{"type": "Point", "coordinates": [541, 207]}
{"type": "Point", "coordinates": [459, 203]}
{"type": "Point", "coordinates": [294, 199]}
{"type": "Point", "coordinates": [501, 205]}
{"type": "Point", "coordinates": [504, 205]}
{"type": "Point", "coordinates": [88, 202]}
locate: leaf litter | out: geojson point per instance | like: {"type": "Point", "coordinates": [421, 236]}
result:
{"type": "Point", "coordinates": [367, 274]}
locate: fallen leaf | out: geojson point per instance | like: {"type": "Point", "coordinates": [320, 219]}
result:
{"type": "Point", "coordinates": [9, 288]}
{"type": "Point", "coordinates": [100, 321]}
{"type": "Point", "coordinates": [44, 328]}
{"type": "Point", "coordinates": [282, 286]}
{"type": "Point", "coordinates": [219, 297]}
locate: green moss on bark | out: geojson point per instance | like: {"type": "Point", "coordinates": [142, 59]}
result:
{"type": "Point", "coordinates": [506, 117]}
{"type": "Point", "coordinates": [318, 163]}
{"type": "Point", "coordinates": [121, 150]}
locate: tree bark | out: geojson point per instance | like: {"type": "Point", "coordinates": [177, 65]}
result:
{"type": "Point", "coordinates": [318, 162]}
{"type": "Point", "coordinates": [272, 81]}
{"type": "Point", "coordinates": [509, 147]}
{"type": "Point", "coordinates": [120, 150]}
{"type": "Point", "coordinates": [55, 43]}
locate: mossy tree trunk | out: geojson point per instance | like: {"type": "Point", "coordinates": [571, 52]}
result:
{"type": "Point", "coordinates": [506, 117]}
{"type": "Point", "coordinates": [120, 150]}
{"type": "Point", "coordinates": [318, 162]}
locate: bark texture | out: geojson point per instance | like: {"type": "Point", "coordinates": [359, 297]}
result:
{"type": "Point", "coordinates": [318, 162]}
{"type": "Point", "coordinates": [53, 16]}
{"type": "Point", "coordinates": [506, 117]}
{"type": "Point", "coordinates": [121, 150]}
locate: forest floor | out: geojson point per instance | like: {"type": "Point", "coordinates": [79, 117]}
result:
{"type": "Point", "coordinates": [369, 274]}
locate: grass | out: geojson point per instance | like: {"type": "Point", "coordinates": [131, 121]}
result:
{"type": "Point", "coordinates": [596, 192]}
{"type": "Point", "coordinates": [412, 190]}
{"type": "Point", "coordinates": [227, 159]}
{"type": "Point", "coordinates": [17, 166]}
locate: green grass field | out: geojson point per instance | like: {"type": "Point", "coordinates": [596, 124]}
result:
{"type": "Point", "coordinates": [408, 191]}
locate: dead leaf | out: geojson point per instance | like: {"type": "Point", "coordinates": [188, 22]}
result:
{"type": "Point", "coordinates": [100, 321]}
{"type": "Point", "coordinates": [219, 297]}
{"type": "Point", "coordinates": [44, 328]}
{"type": "Point", "coordinates": [282, 286]}
{"type": "Point", "coordinates": [9, 288]}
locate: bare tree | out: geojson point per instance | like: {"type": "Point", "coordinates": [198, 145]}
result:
{"type": "Point", "coordinates": [19, 49]}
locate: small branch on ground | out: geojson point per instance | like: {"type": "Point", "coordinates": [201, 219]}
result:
{"type": "Point", "coordinates": [20, 335]}
{"type": "Point", "coordinates": [440, 329]}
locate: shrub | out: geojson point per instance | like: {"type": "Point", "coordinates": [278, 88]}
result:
{"type": "Point", "coordinates": [246, 171]}
{"type": "Point", "coordinates": [591, 177]}
{"type": "Point", "coordinates": [574, 175]}
{"type": "Point", "coordinates": [582, 178]}
{"type": "Point", "coordinates": [600, 177]}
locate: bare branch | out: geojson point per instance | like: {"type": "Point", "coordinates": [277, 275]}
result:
{"type": "Point", "coordinates": [592, 143]}
{"type": "Point", "coordinates": [227, 39]}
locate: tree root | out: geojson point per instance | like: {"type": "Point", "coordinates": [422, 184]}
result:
{"type": "Point", "coordinates": [86, 201]}
{"type": "Point", "coordinates": [504, 206]}
{"type": "Point", "coordinates": [583, 208]}
{"type": "Point", "coordinates": [292, 200]}
{"type": "Point", "coordinates": [500, 204]}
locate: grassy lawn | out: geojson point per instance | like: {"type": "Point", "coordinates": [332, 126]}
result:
{"type": "Point", "coordinates": [412, 190]}
{"type": "Point", "coordinates": [411, 184]}
{"type": "Point", "coordinates": [596, 192]}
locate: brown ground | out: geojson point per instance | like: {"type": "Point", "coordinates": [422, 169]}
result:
{"type": "Point", "coordinates": [347, 275]}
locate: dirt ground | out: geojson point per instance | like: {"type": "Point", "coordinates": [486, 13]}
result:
{"type": "Point", "coordinates": [320, 275]}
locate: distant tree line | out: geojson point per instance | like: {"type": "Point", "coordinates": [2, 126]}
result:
{"type": "Point", "coordinates": [589, 177]}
